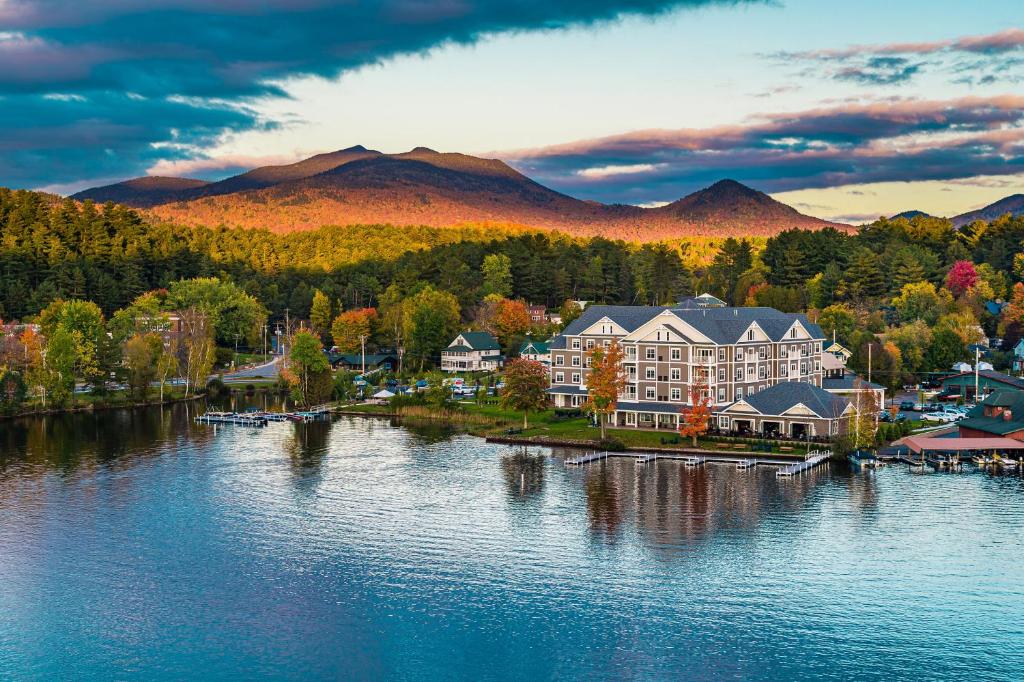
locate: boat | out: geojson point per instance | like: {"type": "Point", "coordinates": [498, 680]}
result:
{"type": "Point", "coordinates": [864, 459]}
{"type": "Point", "coordinates": [983, 460]}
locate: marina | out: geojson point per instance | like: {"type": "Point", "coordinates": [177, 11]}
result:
{"type": "Point", "coordinates": [741, 461]}
{"type": "Point", "coordinates": [257, 418]}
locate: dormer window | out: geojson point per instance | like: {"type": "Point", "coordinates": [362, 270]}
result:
{"type": "Point", "coordinates": [792, 333]}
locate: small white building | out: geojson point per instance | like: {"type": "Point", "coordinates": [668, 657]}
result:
{"type": "Point", "coordinates": [538, 351]}
{"type": "Point", "coordinates": [472, 352]}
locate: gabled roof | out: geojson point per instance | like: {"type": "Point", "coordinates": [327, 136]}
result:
{"type": "Point", "coordinates": [1008, 399]}
{"type": "Point", "coordinates": [776, 400]}
{"type": "Point", "coordinates": [539, 347]}
{"type": "Point", "coordinates": [480, 341]}
{"type": "Point", "coordinates": [722, 325]}
{"type": "Point", "coordinates": [991, 375]}
{"type": "Point", "coordinates": [848, 382]}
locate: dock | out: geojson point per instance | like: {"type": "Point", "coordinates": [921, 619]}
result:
{"type": "Point", "coordinates": [740, 460]}
{"type": "Point", "coordinates": [232, 418]}
{"type": "Point", "coordinates": [814, 458]}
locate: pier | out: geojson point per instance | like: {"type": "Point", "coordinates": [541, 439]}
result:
{"type": "Point", "coordinates": [254, 420]}
{"type": "Point", "coordinates": [740, 460]}
{"type": "Point", "coordinates": [814, 458]}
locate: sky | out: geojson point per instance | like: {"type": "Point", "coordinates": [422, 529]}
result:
{"type": "Point", "coordinates": [846, 111]}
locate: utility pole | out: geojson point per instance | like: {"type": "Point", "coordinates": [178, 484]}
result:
{"type": "Point", "coordinates": [362, 344]}
{"type": "Point", "coordinates": [869, 363]}
{"type": "Point", "coordinates": [977, 361]}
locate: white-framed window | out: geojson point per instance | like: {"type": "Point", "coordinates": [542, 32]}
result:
{"type": "Point", "coordinates": [750, 372]}
{"type": "Point", "coordinates": [803, 368]}
{"type": "Point", "coordinates": [817, 365]}
{"type": "Point", "coordinates": [586, 361]}
{"type": "Point", "coordinates": [783, 370]}
{"type": "Point", "coordinates": [649, 372]}
{"type": "Point", "coordinates": [631, 392]}
{"type": "Point", "coordinates": [721, 355]}
{"type": "Point", "coordinates": [738, 355]}
{"type": "Point", "coordinates": [817, 347]}
{"type": "Point", "coordinates": [649, 353]}
{"type": "Point", "coordinates": [631, 371]}
{"type": "Point", "coordinates": [630, 351]}
{"type": "Point", "coordinates": [750, 335]}
{"type": "Point", "coordinates": [783, 352]}
{"type": "Point", "coordinates": [762, 352]}
{"type": "Point", "coordinates": [677, 354]}
{"type": "Point", "coordinates": [559, 377]}
{"type": "Point", "coordinates": [792, 333]}
{"type": "Point", "coordinates": [575, 377]}
{"type": "Point", "coordinates": [575, 361]}
{"type": "Point", "coordinates": [721, 395]}
{"type": "Point", "coordinates": [559, 360]}
{"type": "Point", "coordinates": [760, 372]}
{"type": "Point", "coordinates": [590, 343]}
{"type": "Point", "coordinates": [677, 394]}
{"type": "Point", "coordinates": [575, 344]}
{"type": "Point", "coordinates": [721, 374]}
{"type": "Point", "coordinates": [631, 418]}
{"type": "Point", "coordinates": [646, 417]}
{"type": "Point", "coordinates": [738, 374]}
{"type": "Point", "coordinates": [739, 393]}
{"type": "Point", "coordinates": [833, 427]}
{"type": "Point", "coordinates": [723, 422]}
{"type": "Point", "coordinates": [606, 343]}
{"type": "Point", "coordinates": [675, 374]}
{"type": "Point", "coordinates": [649, 392]}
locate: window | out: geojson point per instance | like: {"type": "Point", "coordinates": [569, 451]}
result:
{"type": "Point", "coordinates": [792, 333]}
{"type": "Point", "coordinates": [630, 351]}
{"type": "Point", "coordinates": [750, 335]}
{"type": "Point", "coordinates": [817, 347]}
{"type": "Point", "coordinates": [649, 393]}
{"type": "Point", "coordinates": [631, 371]}
{"type": "Point", "coordinates": [649, 353]}
{"type": "Point", "coordinates": [606, 343]}
{"type": "Point", "coordinates": [721, 355]}
{"type": "Point", "coordinates": [783, 370]}
{"type": "Point", "coordinates": [817, 365]}
{"type": "Point", "coordinates": [575, 377]}
{"type": "Point", "coordinates": [646, 417]}
{"type": "Point", "coordinates": [675, 374]}
{"type": "Point", "coordinates": [590, 343]}
{"type": "Point", "coordinates": [760, 372]}
{"type": "Point", "coordinates": [650, 373]}
{"type": "Point", "coordinates": [575, 344]}
{"type": "Point", "coordinates": [677, 354]}
{"type": "Point", "coordinates": [762, 352]}
{"type": "Point", "coordinates": [739, 354]}
{"type": "Point", "coordinates": [575, 361]}
{"type": "Point", "coordinates": [721, 395]}
{"type": "Point", "coordinates": [783, 352]}
{"type": "Point", "coordinates": [738, 375]}
{"type": "Point", "coordinates": [723, 423]}
{"type": "Point", "coordinates": [677, 394]}
{"type": "Point", "coordinates": [739, 393]}
{"type": "Point", "coordinates": [559, 377]}
{"type": "Point", "coordinates": [750, 371]}
{"type": "Point", "coordinates": [803, 368]}
{"type": "Point", "coordinates": [631, 418]}
{"type": "Point", "coordinates": [559, 360]}
{"type": "Point", "coordinates": [631, 392]}
{"type": "Point", "coordinates": [721, 374]}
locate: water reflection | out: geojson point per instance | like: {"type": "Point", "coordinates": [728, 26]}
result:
{"type": "Point", "coordinates": [524, 474]}
{"type": "Point", "coordinates": [307, 447]}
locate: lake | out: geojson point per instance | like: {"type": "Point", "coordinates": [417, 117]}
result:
{"type": "Point", "coordinates": [139, 545]}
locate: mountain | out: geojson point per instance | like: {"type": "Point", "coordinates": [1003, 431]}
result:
{"type": "Point", "coordinates": [911, 214]}
{"type": "Point", "coordinates": [426, 187]}
{"type": "Point", "coordinates": [730, 204]}
{"type": "Point", "coordinates": [1013, 204]}
{"type": "Point", "coordinates": [141, 192]}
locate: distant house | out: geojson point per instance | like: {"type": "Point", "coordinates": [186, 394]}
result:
{"type": "Point", "coordinates": [994, 308]}
{"type": "Point", "coordinates": [704, 300]}
{"type": "Point", "coordinates": [980, 349]}
{"type": "Point", "coordinates": [836, 379]}
{"type": "Point", "coordinates": [354, 361]}
{"type": "Point", "coordinates": [840, 351]}
{"type": "Point", "coordinates": [471, 352]}
{"type": "Point", "coordinates": [1018, 356]}
{"type": "Point", "coordinates": [536, 350]}
{"type": "Point", "coordinates": [1000, 415]}
{"type": "Point", "coordinates": [988, 380]}
{"type": "Point", "coordinates": [538, 313]}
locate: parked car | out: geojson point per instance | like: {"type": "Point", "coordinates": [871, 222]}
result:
{"type": "Point", "coordinates": [907, 405]}
{"type": "Point", "coordinates": [943, 417]}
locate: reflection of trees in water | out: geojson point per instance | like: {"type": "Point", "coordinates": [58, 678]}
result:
{"type": "Point", "coordinates": [425, 432]}
{"type": "Point", "coordinates": [69, 442]}
{"type": "Point", "coordinates": [604, 503]}
{"type": "Point", "coordinates": [308, 446]}
{"type": "Point", "coordinates": [524, 474]}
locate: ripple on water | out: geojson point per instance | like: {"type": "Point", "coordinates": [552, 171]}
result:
{"type": "Point", "coordinates": [148, 546]}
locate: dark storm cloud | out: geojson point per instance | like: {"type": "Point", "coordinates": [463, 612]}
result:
{"type": "Point", "coordinates": [222, 50]}
{"type": "Point", "coordinates": [883, 141]}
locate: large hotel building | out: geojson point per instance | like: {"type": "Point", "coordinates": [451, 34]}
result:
{"type": "Point", "coordinates": [762, 367]}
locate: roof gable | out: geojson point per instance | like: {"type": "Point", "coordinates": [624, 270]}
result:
{"type": "Point", "coordinates": [475, 341]}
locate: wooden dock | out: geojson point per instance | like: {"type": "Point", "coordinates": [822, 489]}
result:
{"type": "Point", "coordinates": [814, 458]}
{"type": "Point", "coordinates": [586, 458]}
{"type": "Point", "coordinates": [739, 459]}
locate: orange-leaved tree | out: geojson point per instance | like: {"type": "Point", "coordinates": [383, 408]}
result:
{"type": "Point", "coordinates": [696, 417]}
{"type": "Point", "coordinates": [526, 387]}
{"type": "Point", "coordinates": [605, 381]}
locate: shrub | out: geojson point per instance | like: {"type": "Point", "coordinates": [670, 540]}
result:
{"type": "Point", "coordinates": [612, 445]}
{"type": "Point", "coordinates": [216, 388]}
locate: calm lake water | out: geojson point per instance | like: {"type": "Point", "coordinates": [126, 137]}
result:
{"type": "Point", "coordinates": [138, 545]}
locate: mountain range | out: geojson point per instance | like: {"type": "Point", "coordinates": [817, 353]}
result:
{"type": "Point", "coordinates": [425, 187]}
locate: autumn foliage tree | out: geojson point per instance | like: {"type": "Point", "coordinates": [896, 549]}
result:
{"type": "Point", "coordinates": [511, 319]}
{"type": "Point", "coordinates": [526, 383]}
{"type": "Point", "coordinates": [351, 326]}
{"type": "Point", "coordinates": [961, 277]}
{"type": "Point", "coordinates": [605, 381]}
{"type": "Point", "coordinates": [696, 416]}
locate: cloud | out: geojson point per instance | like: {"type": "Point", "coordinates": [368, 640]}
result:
{"type": "Point", "coordinates": [214, 57]}
{"type": "Point", "coordinates": [985, 59]}
{"type": "Point", "coordinates": [895, 140]}
{"type": "Point", "coordinates": [608, 171]}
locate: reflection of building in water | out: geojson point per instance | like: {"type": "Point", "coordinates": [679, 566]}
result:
{"type": "Point", "coordinates": [672, 504]}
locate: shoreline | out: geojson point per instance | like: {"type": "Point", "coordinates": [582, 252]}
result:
{"type": "Point", "coordinates": [577, 443]}
{"type": "Point", "coordinates": [102, 407]}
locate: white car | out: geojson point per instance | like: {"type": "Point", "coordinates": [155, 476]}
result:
{"type": "Point", "coordinates": [943, 417]}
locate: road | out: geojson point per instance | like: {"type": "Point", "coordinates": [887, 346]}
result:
{"type": "Point", "coordinates": [269, 370]}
